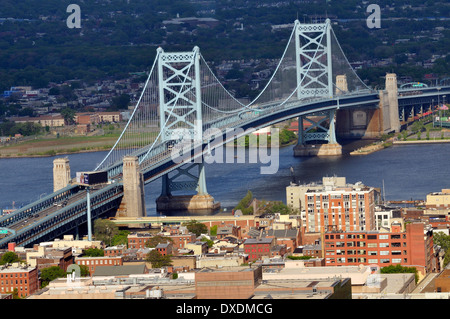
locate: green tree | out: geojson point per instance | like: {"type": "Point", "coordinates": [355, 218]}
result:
{"type": "Point", "coordinates": [196, 227]}
{"type": "Point", "coordinates": [84, 271]}
{"type": "Point", "coordinates": [158, 239]}
{"type": "Point", "coordinates": [120, 102]}
{"type": "Point", "coordinates": [443, 240]}
{"type": "Point", "coordinates": [399, 269]}
{"type": "Point", "coordinates": [121, 238]}
{"type": "Point", "coordinates": [105, 230]}
{"type": "Point", "coordinates": [157, 259]}
{"type": "Point", "coordinates": [51, 273]}
{"type": "Point", "coordinates": [244, 203]}
{"type": "Point", "coordinates": [94, 252]}
{"type": "Point", "coordinates": [9, 258]}
{"type": "Point", "coordinates": [69, 115]}
{"type": "Point", "coordinates": [213, 230]}
{"type": "Point", "coordinates": [277, 207]}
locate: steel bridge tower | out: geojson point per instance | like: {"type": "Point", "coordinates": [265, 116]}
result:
{"type": "Point", "coordinates": [315, 80]}
{"type": "Point", "coordinates": [180, 113]}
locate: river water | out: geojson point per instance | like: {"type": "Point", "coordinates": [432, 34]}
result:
{"type": "Point", "coordinates": [408, 172]}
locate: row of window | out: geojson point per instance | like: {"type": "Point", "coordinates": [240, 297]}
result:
{"type": "Point", "coordinates": [363, 260]}
{"type": "Point", "coordinates": [364, 252]}
{"type": "Point", "coordinates": [363, 236]}
{"type": "Point", "coordinates": [15, 275]}
{"type": "Point", "coordinates": [12, 282]}
{"type": "Point", "coordinates": [99, 262]}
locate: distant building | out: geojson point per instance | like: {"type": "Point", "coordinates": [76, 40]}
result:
{"type": "Point", "coordinates": [43, 120]}
{"type": "Point", "coordinates": [439, 200]}
{"type": "Point", "coordinates": [110, 117]}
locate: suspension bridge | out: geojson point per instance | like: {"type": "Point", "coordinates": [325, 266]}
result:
{"type": "Point", "coordinates": [185, 112]}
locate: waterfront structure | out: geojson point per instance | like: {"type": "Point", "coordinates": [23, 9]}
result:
{"type": "Point", "coordinates": [24, 278]}
{"type": "Point", "coordinates": [412, 247]}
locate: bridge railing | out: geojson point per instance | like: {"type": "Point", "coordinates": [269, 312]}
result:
{"type": "Point", "coordinates": [64, 215]}
{"type": "Point", "coordinates": [41, 204]}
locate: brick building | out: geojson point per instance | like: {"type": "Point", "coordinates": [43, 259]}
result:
{"type": "Point", "coordinates": [412, 247]}
{"type": "Point", "coordinates": [256, 248]}
{"type": "Point", "coordinates": [138, 240]}
{"type": "Point", "coordinates": [236, 283]}
{"type": "Point", "coordinates": [164, 249]}
{"type": "Point", "coordinates": [23, 278]}
{"type": "Point", "coordinates": [93, 262]}
{"type": "Point", "coordinates": [181, 240]}
{"type": "Point", "coordinates": [114, 251]}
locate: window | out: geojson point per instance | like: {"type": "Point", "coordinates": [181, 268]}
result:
{"type": "Point", "coordinates": [384, 244]}
{"type": "Point", "coordinates": [373, 261]}
{"type": "Point", "coordinates": [371, 236]}
{"type": "Point", "coordinates": [384, 252]}
{"type": "Point", "coordinates": [384, 237]}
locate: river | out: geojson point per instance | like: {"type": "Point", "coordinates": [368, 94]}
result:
{"type": "Point", "coordinates": [408, 172]}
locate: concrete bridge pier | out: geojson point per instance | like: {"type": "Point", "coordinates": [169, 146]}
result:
{"type": "Point", "coordinates": [317, 139]}
{"type": "Point", "coordinates": [372, 122]}
{"type": "Point", "coordinates": [133, 202]}
{"type": "Point", "coordinates": [201, 201]}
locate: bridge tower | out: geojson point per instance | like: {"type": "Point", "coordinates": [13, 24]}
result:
{"type": "Point", "coordinates": [133, 203]}
{"type": "Point", "coordinates": [180, 110]}
{"type": "Point", "coordinates": [392, 91]}
{"type": "Point", "coordinates": [61, 173]}
{"type": "Point", "coordinates": [315, 80]}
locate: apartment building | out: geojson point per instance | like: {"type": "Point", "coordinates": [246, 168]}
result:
{"type": "Point", "coordinates": [347, 207]}
{"type": "Point", "coordinates": [24, 278]}
{"type": "Point", "coordinates": [412, 247]}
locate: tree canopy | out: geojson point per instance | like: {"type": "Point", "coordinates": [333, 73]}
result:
{"type": "Point", "coordinates": [105, 230]}
{"type": "Point", "coordinates": [51, 273]}
{"type": "Point", "coordinates": [196, 227]}
{"type": "Point", "coordinates": [158, 239]}
{"type": "Point", "coordinates": [158, 260]}
{"type": "Point", "coordinates": [9, 257]}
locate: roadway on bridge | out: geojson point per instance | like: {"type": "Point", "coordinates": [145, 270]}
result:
{"type": "Point", "coordinates": [179, 219]}
{"type": "Point", "coordinates": [36, 218]}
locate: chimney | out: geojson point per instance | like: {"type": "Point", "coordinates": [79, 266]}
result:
{"type": "Point", "coordinates": [11, 247]}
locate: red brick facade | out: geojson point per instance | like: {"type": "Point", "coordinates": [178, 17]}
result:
{"type": "Point", "coordinates": [413, 247]}
{"type": "Point", "coordinates": [25, 280]}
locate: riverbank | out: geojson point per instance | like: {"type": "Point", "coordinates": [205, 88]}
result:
{"type": "Point", "coordinates": [45, 147]}
{"type": "Point", "coordinates": [421, 141]}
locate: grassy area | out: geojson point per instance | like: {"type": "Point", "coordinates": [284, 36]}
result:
{"type": "Point", "coordinates": [62, 145]}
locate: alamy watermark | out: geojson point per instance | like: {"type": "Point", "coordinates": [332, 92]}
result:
{"type": "Point", "coordinates": [73, 20]}
{"type": "Point", "coordinates": [374, 19]}
{"type": "Point", "coordinates": [222, 149]}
